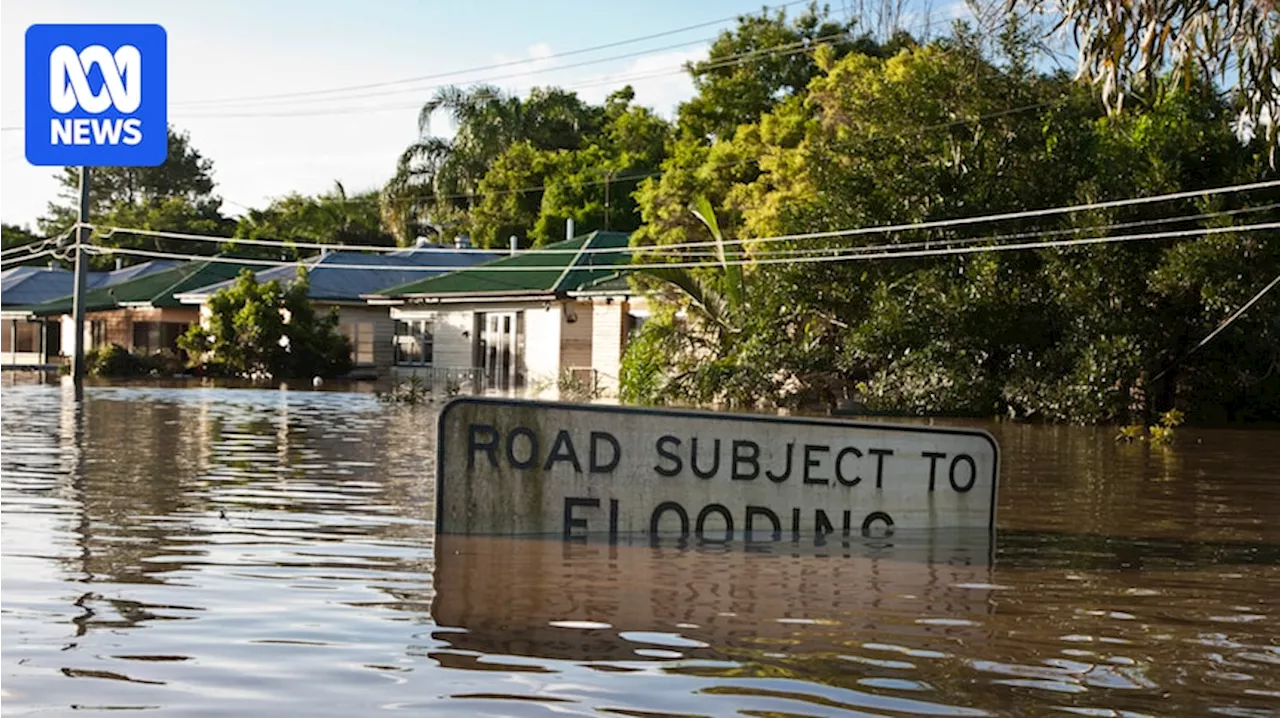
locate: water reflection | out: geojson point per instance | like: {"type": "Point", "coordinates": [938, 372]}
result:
{"type": "Point", "coordinates": [238, 551]}
{"type": "Point", "coordinates": [601, 602]}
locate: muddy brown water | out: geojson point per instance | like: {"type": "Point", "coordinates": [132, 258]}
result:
{"type": "Point", "coordinates": [217, 551]}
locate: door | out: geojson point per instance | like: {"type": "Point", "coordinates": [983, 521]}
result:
{"type": "Point", "coordinates": [501, 350]}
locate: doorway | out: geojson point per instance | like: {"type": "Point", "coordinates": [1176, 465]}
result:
{"type": "Point", "coordinates": [501, 349]}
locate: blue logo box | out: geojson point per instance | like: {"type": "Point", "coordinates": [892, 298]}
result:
{"type": "Point", "coordinates": [96, 95]}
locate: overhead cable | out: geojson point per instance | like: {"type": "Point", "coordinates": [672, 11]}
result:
{"type": "Point", "coordinates": [811, 259]}
{"type": "Point", "coordinates": [482, 68]}
{"type": "Point", "coordinates": [876, 229]}
{"type": "Point", "coordinates": [662, 249]}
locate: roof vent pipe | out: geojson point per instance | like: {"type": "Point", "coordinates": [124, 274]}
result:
{"type": "Point", "coordinates": [568, 228]}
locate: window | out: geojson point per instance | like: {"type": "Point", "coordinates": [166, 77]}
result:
{"type": "Point", "coordinates": [634, 322]}
{"type": "Point", "coordinates": [28, 337]}
{"type": "Point", "coordinates": [360, 334]}
{"type": "Point", "coordinates": [142, 336]}
{"type": "Point", "coordinates": [53, 338]}
{"type": "Point", "coordinates": [97, 333]}
{"type": "Point", "coordinates": [151, 337]}
{"type": "Point", "coordinates": [170, 331]}
{"type": "Point", "coordinates": [415, 342]}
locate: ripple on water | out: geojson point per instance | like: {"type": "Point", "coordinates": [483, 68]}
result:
{"type": "Point", "coordinates": [212, 550]}
{"type": "Point", "coordinates": [672, 640]}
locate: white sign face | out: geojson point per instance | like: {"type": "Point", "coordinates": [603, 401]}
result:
{"type": "Point", "coordinates": [508, 467]}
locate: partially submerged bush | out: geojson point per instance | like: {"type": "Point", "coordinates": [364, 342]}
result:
{"type": "Point", "coordinates": [116, 361]}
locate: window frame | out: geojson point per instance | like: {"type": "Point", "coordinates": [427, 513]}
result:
{"type": "Point", "coordinates": [420, 335]}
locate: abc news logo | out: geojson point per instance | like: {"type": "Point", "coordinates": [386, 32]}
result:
{"type": "Point", "coordinates": [96, 95]}
{"type": "Point", "coordinates": [121, 89]}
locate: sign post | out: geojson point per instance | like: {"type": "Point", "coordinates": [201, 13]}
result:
{"type": "Point", "coordinates": [523, 468]}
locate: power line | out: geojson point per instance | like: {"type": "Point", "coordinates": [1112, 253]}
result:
{"type": "Point", "coordinates": [879, 229]}
{"type": "Point", "coordinates": [669, 249]}
{"type": "Point", "coordinates": [812, 259]}
{"type": "Point", "coordinates": [18, 261]}
{"type": "Point", "coordinates": [1236, 315]}
{"type": "Point", "coordinates": [496, 66]}
{"type": "Point", "coordinates": [980, 219]}
{"type": "Point", "coordinates": [36, 245]}
{"type": "Point", "coordinates": [481, 81]}
{"type": "Point", "coordinates": [791, 48]}
{"type": "Point", "coordinates": [1022, 235]}
{"type": "Point", "coordinates": [1008, 216]}
{"type": "Point", "coordinates": [28, 247]}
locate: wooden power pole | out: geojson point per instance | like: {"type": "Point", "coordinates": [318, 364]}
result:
{"type": "Point", "coordinates": [77, 312]}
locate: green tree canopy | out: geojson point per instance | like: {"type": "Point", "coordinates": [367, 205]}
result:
{"type": "Point", "coordinates": [176, 196]}
{"type": "Point", "coordinates": [437, 178]}
{"type": "Point", "coordinates": [332, 217]}
{"type": "Point", "coordinates": [762, 61]}
{"type": "Point", "coordinates": [14, 236]}
{"type": "Point", "coordinates": [944, 131]}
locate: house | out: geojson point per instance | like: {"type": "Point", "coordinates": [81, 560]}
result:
{"type": "Point", "coordinates": [32, 341]}
{"type": "Point", "coordinates": [339, 280]}
{"type": "Point", "coordinates": [141, 314]}
{"type": "Point", "coordinates": [523, 323]}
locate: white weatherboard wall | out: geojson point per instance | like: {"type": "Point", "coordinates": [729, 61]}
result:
{"type": "Point", "coordinates": [576, 336]}
{"type": "Point", "coordinates": [453, 350]}
{"type": "Point", "coordinates": [542, 343]}
{"type": "Point", "coordinates": [606, 342]}
{"type": "Point", "coordinates": [68, 329]}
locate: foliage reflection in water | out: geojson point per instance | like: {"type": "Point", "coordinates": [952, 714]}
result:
{"type": "Point", "coordinates": [235, 551]}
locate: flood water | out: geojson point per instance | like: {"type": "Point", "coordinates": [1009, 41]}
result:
{"type": "Point", "coordinates": [258, 552]}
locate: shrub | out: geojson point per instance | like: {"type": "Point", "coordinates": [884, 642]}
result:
{"type": "Point", "coordinates": [268, 330]}
{"type": "Point", "coordinates": [115, 361]}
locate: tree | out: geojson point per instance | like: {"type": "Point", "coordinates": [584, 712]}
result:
{"type": "Point", "coordinates": [14, 236]}
{"type": "Point", "coordinates": [942, 131]}
{"type": "Point", "coordinates": [329, 218]}
{"type": "Point", "coordinates": [437, 179]}
{"type": "Point", "coordinates": [1128, 45]}
{"type": "Point", "coordinates": [176, 196]}
{"type": "Point", "coordinates": [536, 183]}
{"type": "Point", "coordinates": [267, 331]}
{"type": "Point", "coordinates": [760, 62]}
{"type": "Point", "coordinates": [704, 345]}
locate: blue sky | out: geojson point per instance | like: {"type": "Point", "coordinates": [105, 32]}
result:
{"type": "Point", "coordinates": [264, 148]}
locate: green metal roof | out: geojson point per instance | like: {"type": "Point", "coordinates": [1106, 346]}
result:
{"type": "Point", "coordinates": [531, 272]}
{"type": "Point", "coordinates": [155, 290]}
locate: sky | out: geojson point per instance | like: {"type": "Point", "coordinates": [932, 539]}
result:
{"type": "Point", "coordinates": [238, 68]}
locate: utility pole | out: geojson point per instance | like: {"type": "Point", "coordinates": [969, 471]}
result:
{"type": "Point", "coordinates": [77, 312]}
{"type": "Point", "coordinates": [608, 177]}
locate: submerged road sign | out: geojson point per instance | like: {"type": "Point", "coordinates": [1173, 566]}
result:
{"type": "Point", "coordinates": [512, 467]}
